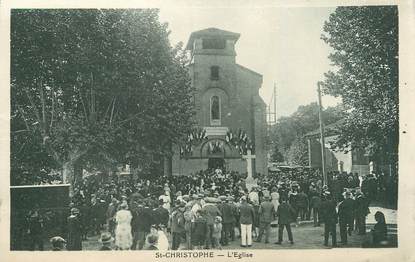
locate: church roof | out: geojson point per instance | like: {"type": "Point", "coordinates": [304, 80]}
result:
{"type": "Point", "coordinates": [209, 32]}
{"type": "Point", "coordinates": [249, 70]}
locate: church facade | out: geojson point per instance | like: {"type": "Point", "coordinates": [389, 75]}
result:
{"type": "Point", "coordinates": [230, 115]}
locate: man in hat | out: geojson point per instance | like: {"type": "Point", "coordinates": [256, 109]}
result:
{"type": "Point", "coordinates": [266, 216]}
{"type": "Point", "coordinates": [234, 221]}
{"type": "Point", "coordinates": [111, 211]}
{"type": "Point", "coordinates": [58, 243]}
{"type": "Point", "coordinates": [106, 240]}
{"type": "Point", "coordinates": [146, 219]}
{"type": "Point", "coordinates": [211, 211]}
{"type": "Point", "coordinates": [197, 204]}
{"type": "Point", "coordinates": [346, 214]}
{"type": "Point", "coordinates": [177, 225]}
{"type": "Point", "coordinates": [188, 218]}
{"type": "Point", "coordinates": [329, 216]}
{"type": "Point", "coordinates": [74, 231]}
{"type": "Point", "coordinates": [227, 220]}
{"type": "Point", "coordinates": [161, 215]}
{"type": "Point", "coordinates": [286, 215]}
{"type": "Point", "coordinates": [94, 214]}
{"type": "Point", "coordinates": [315, 202]}
{"type": "Point", "coordinates": [302, 204]}
{"type": "Point", "coordinates": [337, 188]}
{"type": "Point", "coordinates": [199, 229]}
{"type": "Point", "coordinates": [293, 200]}
{"type": "Point", "coordinates": [246, 219]}
{"type": "Point", "coordinates": [361, 211]}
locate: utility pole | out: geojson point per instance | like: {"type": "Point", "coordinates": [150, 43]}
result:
{"type": "Point", "coordinates": [323, 151]}
{"type": "Point", "coordinates": [275, 103]}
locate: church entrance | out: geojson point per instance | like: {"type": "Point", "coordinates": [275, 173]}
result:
{"type": "Point", "coordinates": [214, 163]}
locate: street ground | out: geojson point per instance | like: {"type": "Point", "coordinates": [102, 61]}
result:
{"type": "Point", "coordinates": [306, 236]}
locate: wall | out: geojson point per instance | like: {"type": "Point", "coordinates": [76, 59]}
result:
{"type": "Point", "coordinates": [241, 105]}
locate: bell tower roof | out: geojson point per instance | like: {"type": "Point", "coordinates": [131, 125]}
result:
{"type": "Point", "coordinates": [211, 33]}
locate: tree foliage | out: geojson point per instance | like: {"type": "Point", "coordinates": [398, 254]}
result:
{"type": "Point", "coordinates": [297, 154]}
{"type": "Point", "coordinates": [289, 131]}
{"type": "Point", "coordinates": [365, 54]}
{"type": "Point", "coordinates": [95, 87]}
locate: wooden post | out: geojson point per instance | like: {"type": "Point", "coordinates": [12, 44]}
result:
{"type": "Point", "coordinates": [323, 150]}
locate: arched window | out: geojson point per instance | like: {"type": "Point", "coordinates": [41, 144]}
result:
{"type": "Point", "coordinates": [215, 110]}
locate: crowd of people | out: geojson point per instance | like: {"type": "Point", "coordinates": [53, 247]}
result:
{"type": "Point", "coordinates": [211, 209]}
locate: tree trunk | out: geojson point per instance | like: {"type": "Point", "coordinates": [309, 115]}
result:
{"type": "Point", "coordinates": [167, 160]}
{"type": "Point", "coordinates": [77, 172]}
{"type": "Point", "coordinates": [167, 165]}
{"type": "Point", "coordinates": [67, 175]}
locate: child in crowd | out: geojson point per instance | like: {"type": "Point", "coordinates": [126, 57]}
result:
{"type": "Point", "coordinates": [217, 232]}
{"type": "Point", "coordinates": [152, 241]}
{"type": "Point", "coordinates": [379, 232]}
{"type": "Point", "coordinates": [106, 240]}
{"type": "Point", "coordinates": [162, 241]}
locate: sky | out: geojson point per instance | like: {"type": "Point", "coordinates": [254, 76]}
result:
{"type": "Point", "coordinates": [281, 43]}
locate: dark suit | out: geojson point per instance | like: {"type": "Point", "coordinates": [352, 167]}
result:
{"type": "Point", "coordinates": [211, 212]}
{"type": "Point", "coordinates": [161, 216]}
{"type": "Point", "coordinates": [228, 221]}
{"type": "Point", "coordinates": [361, 211]}
{"type": "Point", "coordinates": [141, 224]}
{"type": "Point", "coordinates": [315, 203]}
{"type": "Point", "coordinates": [177, 228]}
{"type": "Point", "coordinates": [346, 214]}
{"type": "Point", "coordinates": [266, 215]}
{"type": "Point", "coordinates": [74, 241]}
{"type": "Point", "coordinates": [285, 214]}
{"type": "Point", "coordinates": [329, 215]}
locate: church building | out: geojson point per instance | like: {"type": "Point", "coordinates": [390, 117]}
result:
{"type": "Point", "coordinates": [230, 115]}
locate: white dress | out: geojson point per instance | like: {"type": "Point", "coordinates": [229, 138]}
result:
{"type": "Point", "coordinates": [275, 198]}
{"type": "Point", "coordinates": [123, 237]}
{"type": "Point", "coordinates": [163, 242]}
{"type": "Point", "coordinates": [166, 201]}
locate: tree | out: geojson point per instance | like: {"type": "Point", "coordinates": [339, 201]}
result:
{"type": "Point", "coordinates": [292, 128]}
{"type": "Point", "coordinates": [298, 153]}
{"type": "Point", "coordinates": [365, 53]}
{"type": "Point", "coordinates": [96, 87]}
{"type": "Point", "coordinates": [277, 156]}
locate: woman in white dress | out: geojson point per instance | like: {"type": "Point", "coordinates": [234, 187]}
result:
{"type": "Point", "coordinates": [166, 200]}
{"type": "Point", "coordinates": [123, 236]}
{"type": "Point", "coordinates": [275, 198]}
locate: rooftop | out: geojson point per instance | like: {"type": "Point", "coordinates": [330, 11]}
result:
{"type": "Point", "coordinates": [329, 130]}
{"type": "Point", "coordinates": [210, 32]}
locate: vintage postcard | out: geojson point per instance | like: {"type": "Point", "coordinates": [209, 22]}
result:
{"type": "Point", "coordinates": [204, 131]}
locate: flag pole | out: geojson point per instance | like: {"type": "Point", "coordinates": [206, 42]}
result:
{"type": "Point", "coordinates": [323, 151]}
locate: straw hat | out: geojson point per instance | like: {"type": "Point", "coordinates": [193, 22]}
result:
{"type": "Point", "coordinates": [106, 238]}
{"type": "Point", "coordinates": [57, 240]}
